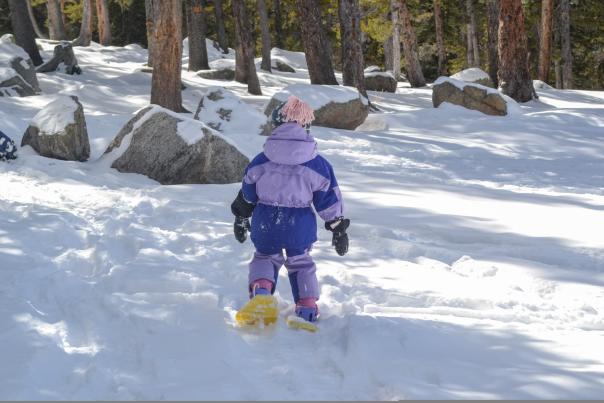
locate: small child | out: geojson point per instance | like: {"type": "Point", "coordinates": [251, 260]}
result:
{"type": "Point", "coordinates": [279, 186]}
{"type": "Point", "coordinates": [8, 149]}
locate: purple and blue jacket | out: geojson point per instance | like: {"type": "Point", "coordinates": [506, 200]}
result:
{"type": "Point", "coordinates": [284, 182]}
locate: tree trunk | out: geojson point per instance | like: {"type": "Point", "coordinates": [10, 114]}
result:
{"type": "Point", "coordinates": [414, 68]}
{"type": "Point", "coordinates": [56, 27]}
{"type": "Point", "coordinates": [396, 39]}
{"type": "Point", "coordinates": [278, 24]}
{"type": "Point", "coordinates": [514, 77]}
{"type": "Point", "coordinates": [545, 47]}
{"type": "Point", "coordinates": [150, 18]}
{"type": "Point", "coordinates": [388, 54]}
{"type": "Point", "coordinates": [316, 46]}
{"type": "Point", "coordinates": [266, 36]}
{"type": "Point", "coordinates": [440, 42]}
{"type": "Point", "coordinates": [167, 41]}
{"type": "Point", "coordinates": [352, 52]}
{"type": "Point", "coordinates": [493, 27]}
{"type": "Point", "coordinates": [473, 50]}
{"type": "Point", "coordinates": [222, 38]}
{"type": "Point", "coordinates": [245, 68]}
{"type": "Point", "coordinates": [85, 36]}
{"type": "Point", "coordinates": [558, 74]}
{"type": "Point", "coordinates": [196, 25]}
{"type": "Point", "coordinates": [34, 22]}
{"type": "Point", "coordinates": [104, 22]}
{"type": "Point", "coordinates": [23, 30]}
{"type": "Point", "coordinates": [567, 57]}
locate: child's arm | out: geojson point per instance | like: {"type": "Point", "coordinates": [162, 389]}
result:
{"type": "Point", "coordinates": [243, 205]}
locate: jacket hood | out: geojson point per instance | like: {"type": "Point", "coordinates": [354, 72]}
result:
{"type": "Point", "coordinates": [290, 144]}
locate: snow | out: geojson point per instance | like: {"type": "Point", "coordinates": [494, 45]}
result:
{"type": "Point", "coordinates": [380, 74]}
{"type": "Point", "coordinates": [541, 85]}
{"type": "Point", "coordinates": [297, 60]}
{"type": "Point", "coordinates": [317, 96]}
{"type": "Point", "coordinates": [56, 116]}
{"type": "Point", "coordinates": [372, 69]}
{"type": "Point", "coordinates": [472, 74]}
{"type": "Point", "coordinates": [475, 271]}
{"type": "Point", "coordinates": [9, 51]}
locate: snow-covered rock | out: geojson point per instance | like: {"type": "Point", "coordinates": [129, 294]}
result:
{"type": "Point", "coordinates": [227, 74]}
{"type": "Point", "coordinates": [17, 72]}
{"type": "Point", "coordinates": [474, 75]}
{"type": "Point", "coordinates": [372, 69]}
{"type": "Point", "coordinates": [295, 60]}
{"type": "Point", "coordinates": [383, 81]}
{"type": "Point", "coordinates": [8, 38]}
{"type": "Point", "coordinates": [470, 96]}
{"type": "Point", "coordinates": [541, 85]}
{"type": "Point", "coordinates": [173, 149]}
{"type": "Point", "coordinates": [59, 131]}
{"type": "Point", "coordinates": [335, 106]}
{"type": "Point", "coordinates": [63, 60]}
{"type": "Point", "coordinates": [222, 110]}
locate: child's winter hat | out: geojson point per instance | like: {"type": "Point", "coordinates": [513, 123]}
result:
{"type": "Point", "coordinates": [294, 110]}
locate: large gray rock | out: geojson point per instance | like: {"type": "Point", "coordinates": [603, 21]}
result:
{"type": "Point", "coordinates": [335, 106]}
{"type": "Point", "coordinates": [17, 72]}
{"type": "Point", "coordinates": [470, 96]}
{"type": "Point", "coordinates": [283, 67]}
{"type": "Point", "coordinates": [226, 73]}
{"type": "Point", "coordinates": [175, 150]}
{"type": "Point", "coordinates": [63, 59]}
{"type": "Point", "coordinates": [474, 75]}
{"type": "Point", "coordinates": [380, 81]}
{"type": "Point", "coordinates": [59, 131]}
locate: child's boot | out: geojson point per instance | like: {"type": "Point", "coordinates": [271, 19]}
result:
{"type": "Point", "coordinates": [262, 306]}
{"type": "Point", "coordinates": [307, 312]}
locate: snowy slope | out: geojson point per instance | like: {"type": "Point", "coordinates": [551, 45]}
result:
{"type": "Point", "coordinates": [475, 270]}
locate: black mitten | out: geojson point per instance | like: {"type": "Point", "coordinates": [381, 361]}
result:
{"type": "Point", "coordinates": [340, 237]}
{"type": "Point", "coordinates": [240, 228]}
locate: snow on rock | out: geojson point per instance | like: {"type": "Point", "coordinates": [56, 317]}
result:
{"type": "Point", "coordinates": [372, 69]}
{"type": "Point", "coordinates": [469, 95]}
{"type": "Point", "coordinates": [222, 110]}
{"type": "Point", "coordinates": [59, 130]}
{"type": "Point", "coordinates": [334, 106]}
{"type": "Point", "coordinates": [64, 60]}
{"type": "Point", "coordinates": [474, 75]}
{"type": "Point", "coordinates": [382, 81]}
{"type": "Point", "coordinates": [174, 149]}
{"type": "Point", "coordinates": [541, 85]}
{"type": "Point", "coordinates": [296, 60]}
{"type": "Point", "coordinates": [17, 72]}
{"type": "Point", "coordinates": [214, 53]}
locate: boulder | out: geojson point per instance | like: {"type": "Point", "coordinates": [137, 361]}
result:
{"type": "Point", "coordinates": [372, 69]}
{"type": "Point", "coordinates": [335, 106]}
{"type": "Point", "coordinates": [380, 81]}
{"type": "Point", "coordinates": [474, 75]}
{"type": "Point", "coordinates": [227, 74]}
{"type": "Point", "coordinates": [173, 149]}
{"type": "Point", "coordinates": [470, 96]}
{"type": "Point", "coordinates": [224, 111]}
{"type": "Point", "coordinates": [283, 67]}
{"type": "Point", "coordinates": [59, 131]}
{"type": "Point", "coordinates": [63, 59]}
{"type": "Point", "coordinates": [541, 85]}
{"type": "Point", "coordinates": [8, 38]}
{"type": "Point", "coordinates": [17, 72]}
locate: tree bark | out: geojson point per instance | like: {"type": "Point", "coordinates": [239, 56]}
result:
{"type": "Point", "coordinates": [278, 24]}
{"type": "Point", "coordinates": [567, 57]}
{"type": "Point", "coordinates": [492, 31]}
{"type": "Point", "coordinates": [440, 42]}
{"type": "Point", "coordinates": [316, 45]}
{"type": "Point", "coordinates": [56, 27]}
{"type": "Point", "coordinates": [196, 25]}
{"type": "Point", "coordinates": [245, 68]}
{"type": "Point", "coordinates": [104, 22]}
{"type": "Point", "coordinates": [34, 22]}
{"type": "Point", "coordinates": [352, 52]}
{"type": "Point", "coordinates": [266, 36]}
{"type": "Point", "coordinates": [514, 77]}
{"type": "Point", "coordinates": [388, 54]}
{"type": "Point", "coordinates": [150, 19]}
{"type": "Point", "coordinates": [396, 39]}
{"type": "Point", "coordinates": [473, 50]}
{"type": "Point", "coordinates": [222, 38]}
{"type": "Point", "coordinates": [24, 30]}
{"type": "Point", "coordinates": [545, 47]}
{"type": "Point", "coordinates": [414, 68]}
{"type": "Point", "coordinates": [167, 39]}
{"type": "Point", "coordinates": [85, 36]}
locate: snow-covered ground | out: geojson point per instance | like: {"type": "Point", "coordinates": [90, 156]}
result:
{"type": "Point", "coordinates": [476, 265]}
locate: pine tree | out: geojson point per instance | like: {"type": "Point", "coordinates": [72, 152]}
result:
{"type": "Point", "coordinates": [222, 38]}
{"type": "Point", "coordinates": [396, 39]}
{"type": "Point", "coordinates": [514, 77]}
{"type": "Point", "coordinates": [167, 42]}
{"type": "Point", "coordinates": [316, 46]}
{"type": "Point", "coordinates": [440, 43]}
{"type": "Point", "coordinates": [414, 68]}
{"type": "Point", "coordinates": [85, 36]}
{"type": "Point", "coordinates": [103, 22]}
{"type": "Point", "coordinates": [34, 22]}
{"type": "Point", "coordinates": [352, 52]}
{"type": "Point", "coordinates": [278, 24]}
{"type": "Point", "coordinates": [56, 25]}
{"type": "Point", "coordinates": [493, 35]}
{"type": "Point", "coordinates": [23, 30]}
{"type": "Point", "coordinates": [245, 68]}
{"type": "Point", "coordinates": [472, 37]}
{"type": "Point", "coordinates": [150, 22]}
{"type": "Point", "coordinates": [196, 25]}
{"type": "Point", "coordinates": [567, 57]}
{"type": "Point", "coordinates": [266, 36]}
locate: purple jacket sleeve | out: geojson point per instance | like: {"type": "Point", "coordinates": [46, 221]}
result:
{"type": "Point", "coordinates": [327, 198]}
